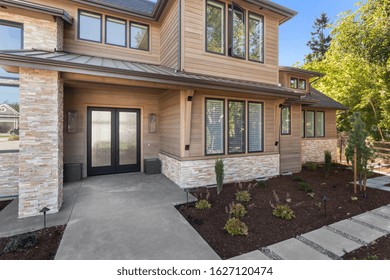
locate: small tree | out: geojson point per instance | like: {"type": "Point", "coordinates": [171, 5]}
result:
{"type": "Point", "coordinates": [219, 173]}
{"type": "Point", "coordinates": [328, 162]}
{"type": "Point", "coordinates": [357, 138]}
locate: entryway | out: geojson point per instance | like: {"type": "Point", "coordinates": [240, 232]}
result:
{"type": "Point", "coordinates": [113, 140]}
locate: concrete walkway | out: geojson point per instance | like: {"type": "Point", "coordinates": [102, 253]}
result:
{"type": "Point", "coordinates": [381, 183]}
{"type": "Point", "coordinates": [130, 216]}
{"type": "Point", "coordinates": [330, 242]}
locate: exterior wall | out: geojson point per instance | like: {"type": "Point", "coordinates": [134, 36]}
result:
{"type": "Point", "coordinates": [195, 173]}
{"type": "Point", "coordinates": [9, 174]}
{"type": "Point", "coordinates": [197, 60]}
{"type": "Point", "coordinates": [313, 150]}
{"type": "Point", "coordinates": [41, 141]}
{"type": "Point", "coordinates": [39, 33]}
{"type": "Point", "coordinates": [79, 97]}
{"type": "Point", "coordinates": [170, 36]}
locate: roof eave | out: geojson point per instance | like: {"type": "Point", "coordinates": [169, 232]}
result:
{"type": "Point", "coordinates": [301, 71]}
{"type": "Point", "coordinates": [38, 8]}
{"type": "Point", "coordinates": [276, 8]}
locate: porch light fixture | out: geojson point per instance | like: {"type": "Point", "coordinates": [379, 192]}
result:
{"type": "Point", "coordinates": [44, 210]}
{"type": "Point", "coordinates": [152, 123]}
{"type": "Point", "coordinates": [324, 200]}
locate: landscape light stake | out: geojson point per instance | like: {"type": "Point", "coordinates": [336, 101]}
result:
{"type": "Point", "coordinates": [354, 169]}
{"type": "Point", "coordinates": [324, 200]}
{"type": "Point", "coordinates": [44, 210]}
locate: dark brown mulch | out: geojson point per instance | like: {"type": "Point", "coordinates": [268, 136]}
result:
{"type": "Point", "coordinates": [37, 245]}
{"type": "Point", "coordinates": [266, 229]}
{"type": "Point", "coordinates": [4, 204]}
{"type": "Point", "coordinates": [377, 250]}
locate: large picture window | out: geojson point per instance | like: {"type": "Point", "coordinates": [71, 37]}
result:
{"type": "Point", "coordinates": [255, 127]}
{"type": "Point", "coordinates": [9, 118]}
{"type": "Point", "coordinates": [90, 26]}
{"type": "Point", "coordinates": [236, 137]}
{"type": "Point", "coordinates": [215, 27]}
{"type": "Point", "coordinates": [116, 32]}
{"type": "Point", "coordinates": [320, 124]}
{"type": "Point", "coordinates": [215, 126]}
{"type": "Point", "coordinates": [286, 120]}
{"type": "Point", "coordinates": [237, 32]}
{"type": "Point", "coordinates": [256, 37]}
{"type": "Point", "coordinates": [139, 36]}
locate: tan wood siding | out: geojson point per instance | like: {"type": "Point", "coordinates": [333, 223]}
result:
{"type": "Point", "coordinates": [79, 97]}
{"type": "Point", "coordinates": [169, 36]}
{"type": "Point", "coordinates": [197, 60]}
{"type": "Point", "coordinates": [169, 122]}
{"type": "Point", "coordinates": [290, 145]}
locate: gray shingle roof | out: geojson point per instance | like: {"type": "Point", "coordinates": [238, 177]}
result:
{"type": "Point", "coordinates": [69, 62]}
{"type": "Point", "coordinates": [141, 6]}
{"type": "Point", "coordinates": [319, 100]}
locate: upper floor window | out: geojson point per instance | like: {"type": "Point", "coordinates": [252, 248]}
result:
{"type": "Point", "coordinates": [11, 34]}
{"type": "Point", "coordinates": [116, 32]}
{"type": "Point", "coordinates": [90, 26]}
{"type": "Point", "coordinates": [237, 32]}
{"type": "Point", "coordinates": [215, 27]}
{"type": "Point", "coordinates": [286, 120]}
{"type": "Point", "coordinates": [256, 37]}
{"type": "Point", "coordinates": [139, 36]}
{"type": "Point", "coordinates": [296, 83]}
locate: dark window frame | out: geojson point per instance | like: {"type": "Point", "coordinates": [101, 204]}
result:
{"type": "Point", "coordinates": [224, 28]}
{"type": "Point", "coordinates": [223, 123]}
{"type": "Point", "coordinates": [262, 46]}
{"type": "Point", "coordinates": [299, 80]}
{"type": "Point", "coordinates": [304, 123]}
{"type": "Point", "coordinates": [16, 25]}
{"type": "Point", "coordinates": [148, 32]}
{"type": "Point", "coordinates": [245, 124]}
{"type": "Point", "coordinates": [281, 120]}
{"type": "Point", "coordinates": [80, 11]}
{"type": "Point", "coordinates": [314, 124]}
{"type": "Point", "coordinates": [262, 127]}
{"type": "Point", "coordinates": [323, 126]}
{"type": "Point", "coordinates": [106, 18]}
{"type": "Point", "coordinates": [293, 78]}
{"type": "Point", "coordinates": [230, 27]}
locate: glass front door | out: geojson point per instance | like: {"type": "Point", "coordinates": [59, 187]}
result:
{"type": "Point", "coordinates": [113, 140]}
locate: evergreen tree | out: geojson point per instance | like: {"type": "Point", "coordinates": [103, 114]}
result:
{"type": "Point", "coordinates": [320, 42]}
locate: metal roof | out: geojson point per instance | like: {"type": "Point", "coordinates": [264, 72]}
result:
{"type": "Point", "coordinates": [319, 100]}
{"type": "Point", "coordinates": [85, 64]}
{"type": "Point", "coordinates": [37, 8]}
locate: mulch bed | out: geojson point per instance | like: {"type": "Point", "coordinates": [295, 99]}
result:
{"type": "Point", "coordinates": [377, 250]}
{"type": "Point", "coordinates": [264, 228]}
{"type": "Point", "coordinates": [4, 203]}
{"type": "Point", "coordinates": [37, 245]}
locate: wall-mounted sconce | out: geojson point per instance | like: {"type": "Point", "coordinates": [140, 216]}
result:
{"type": "Point", "coordinates": [152, 123]}
{"type": "Point", "coordinates": [72, 122]}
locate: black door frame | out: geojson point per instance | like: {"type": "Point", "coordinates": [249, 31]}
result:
{"type": "Point", "coordinates": [115, 167]}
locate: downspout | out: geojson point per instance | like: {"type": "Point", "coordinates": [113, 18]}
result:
{"type": "Point", "coordinates": [178, 68]}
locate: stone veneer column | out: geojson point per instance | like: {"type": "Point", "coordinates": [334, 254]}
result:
{"type": "Point", "coordinates": [41, 142]}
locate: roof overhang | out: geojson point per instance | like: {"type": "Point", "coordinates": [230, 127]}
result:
{"type": "Point", "coordinates": [276, 8]}
{"type": "Point", "coordinates": [148, 73]}
{"type": "Point", "coordinates": [301, 71]}
{"type": "Point", "coordinates": [155, 15]}
{"type": "Point", "coordinates": [37, 8]}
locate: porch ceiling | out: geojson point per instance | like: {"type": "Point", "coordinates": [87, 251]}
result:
{"type": "Point", "coordinates": [99, 66]}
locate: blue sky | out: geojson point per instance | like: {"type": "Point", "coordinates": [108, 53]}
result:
{"type": "Point", "coordinates": [295, 33]}
{"type": "Point", "coordinates": [9, 94]}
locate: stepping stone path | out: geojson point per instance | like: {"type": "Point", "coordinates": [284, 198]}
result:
{"type": "Point", "coordinates": [381, 183]}
{"type": "Point", "coordinates": [329, 242]}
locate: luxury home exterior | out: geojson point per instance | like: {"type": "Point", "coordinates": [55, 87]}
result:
{"type": "Point", "coordinates": [109, 83]}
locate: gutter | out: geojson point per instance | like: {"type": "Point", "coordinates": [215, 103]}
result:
{"type": "Point", "coordinates": [276, 8]}
{"type": "Point", "coordinates": [178, 69]}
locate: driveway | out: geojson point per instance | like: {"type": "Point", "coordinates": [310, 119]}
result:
{"type": "Point", "coordinates": [130, 216]}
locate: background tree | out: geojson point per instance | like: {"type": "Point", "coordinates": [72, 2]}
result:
{"type": "Point", "coordinates": [320, 42]}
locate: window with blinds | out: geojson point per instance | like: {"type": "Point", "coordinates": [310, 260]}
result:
{"type": "Point", "coordinates": [215, 127]}
{"type": "Point", "coordinates": [236, 138]}
{"type": "Point", "coordinates": [255, 127]}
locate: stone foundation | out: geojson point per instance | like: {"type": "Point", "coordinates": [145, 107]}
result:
{"type": "Point", "coordinates": [195, 173]}
{"type": "Point", "coordinates": [9, 174]}
{"type": "Point", "coordinates": [41, 141]}
{"type": "Point", "coordinates": [313, 150]}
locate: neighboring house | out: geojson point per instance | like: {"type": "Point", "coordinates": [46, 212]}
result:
{"type": "Point", "coordinates": [9, 118]}
{"type": "Point", "coordinates": [109, 83]}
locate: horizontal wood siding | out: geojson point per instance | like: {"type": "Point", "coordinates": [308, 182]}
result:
{"type": "Point", "coordinates": [290, 145]}
{"type": "Point", "coordinates": [170, 36]}
{"type": "Point", "coordinates": [197, 60]}
{"type": "Point", "coordinates": [169, 122]}
{"type": "Point", "coordinates": [78, 98]}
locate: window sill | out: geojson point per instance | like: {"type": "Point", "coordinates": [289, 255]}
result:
{"type": "Point", "coordinates": [9, 151]}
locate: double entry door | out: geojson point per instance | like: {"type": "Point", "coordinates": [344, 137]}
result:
{"type": "Point", "coordinates": [113, 140]}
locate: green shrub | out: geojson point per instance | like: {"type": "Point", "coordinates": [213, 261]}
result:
{"type": "Point", "coordinates": [243, 196]}
{"type": "Point", "coordinates": [261, 184]}
{"type": "Point", "coordinates": [311, 166]}
{"type": "Point", "coordinates": [235, 227]}
{"type": "Point", "coordinates": [303, 186]}
{"type": "Point", "coordinates": [202, 204]}
{"type": "Point", "coordinates": [13, 138]}
{"type": "Point", "coordinates": [219, 174]}
{"type": "Point", "coordinates": [297, 179]}
{"type": "Point", "coordinates": [328, 162]}
{"type": "Point", "coordinates": [237, 210]}
{"type": "Point", "coordinates": [283, 211]}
